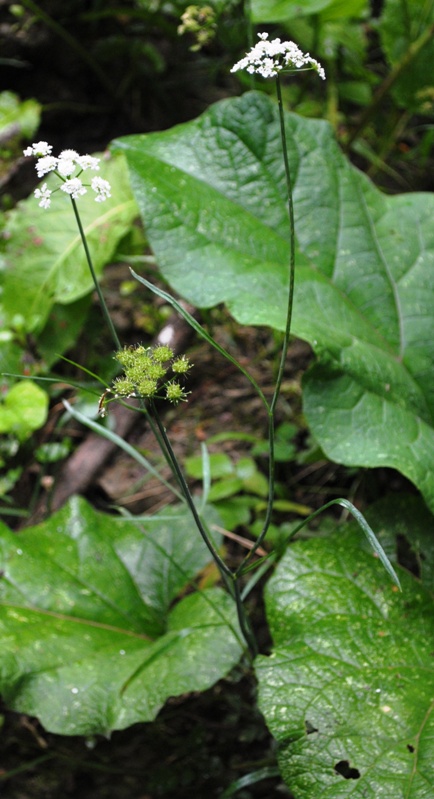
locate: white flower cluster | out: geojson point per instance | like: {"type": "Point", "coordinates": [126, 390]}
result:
{"type": "Point", "coordinates": [269, 58]}
{"type": "Point", "coordinates": [68, 166]}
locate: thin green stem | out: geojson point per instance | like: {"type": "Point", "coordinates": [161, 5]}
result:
{"type": "Point", "coordinates": [230, 579]}
{"type": "Point", "coordinates": [286, 335]}
{"type": "Point", "coordinates": [225, 571]}
{"type": "Point", "coordinates": [246, 627]}
{"type": "Point", "coordinates": [104, 308]}
{"type": "Point", "coordinates": [290, 302]}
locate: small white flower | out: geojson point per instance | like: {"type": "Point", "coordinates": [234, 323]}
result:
{"type": "Point", "coordinates": [46, 164]}
{"type": "Point", "coordinates": [74, 187]}
{"type": "Point", "coordinates": [102, 188]}
{"type": "Point", "coordinates": [269, 58]}
{"type": "Point", "coordinates": [39, 149]}
{"type": "Point", "coordinates": [70, 155]}
{"type": "Point", "coordinates": [65, 166]}
{"type": "Point", "coordinates": [88, 162]}
{"type": "Point", "coordinates": [44, 195]}
{"type": "Point", "coordinates": [68, 164]}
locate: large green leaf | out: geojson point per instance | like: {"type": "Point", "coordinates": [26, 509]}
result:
{"type": "Point", "coordinates": [348, 690]}
{"type": "Point", "coordinates": [89, 641]}
{"type": "Point", "coordinates": [212, 195]}
{"type": "Point", "coordinates": [45, 262]}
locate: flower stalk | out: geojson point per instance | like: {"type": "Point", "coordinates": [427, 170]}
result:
{"type": "Point", "coordinates": [271, 59]}
{"type": "Point", "coordinates": [104, 309]}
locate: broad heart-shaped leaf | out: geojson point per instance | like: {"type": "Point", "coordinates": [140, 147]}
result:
{"type": "Point", "coordinates": [348, 690]}
{"type": "Point", "coordinates": [88, 640]}
{"type": "Point", "coordinates": [45, 262]}
{"type": "Point", "coordinates": [212, 195]}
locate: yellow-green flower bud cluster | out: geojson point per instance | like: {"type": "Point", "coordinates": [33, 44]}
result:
{"type": "Point", "coordinates": [200, 21]}
{"type": "Point", "coordinates": [145, 370]}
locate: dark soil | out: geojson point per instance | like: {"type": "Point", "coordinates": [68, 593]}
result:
{"type": "Point", "coordinates": [197, 746]}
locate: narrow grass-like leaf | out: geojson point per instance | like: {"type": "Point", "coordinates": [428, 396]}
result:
{"type": "Point", "coordinates": [110, 435]}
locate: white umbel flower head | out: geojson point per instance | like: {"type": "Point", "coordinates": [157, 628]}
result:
{"type": "Point", "coordinates": [70, 155]}
{"type": "Point", "coordinates": [68, 167]}
{"type": "Point", "coordinates": [74, 187]}
{"type": "Point", "coordinates": [269, 58]}
{"type": "Point", "coordinates": [65, 166]}
{"type": "Point", "coordinates": [45, 165]}
{"type": "Point", "coordinates": [39, 149]}
{"type": "Point", "coordinates": [102, 188]}
{"type": "Point", "coordinates": [44, 195]}
{"type": "Point", "coordinates": [88, 162]}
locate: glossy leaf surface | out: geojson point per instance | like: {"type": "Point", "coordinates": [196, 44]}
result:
{"type": "Point", "coordinates": [90, 638]}
{"type": "Point", "coordinates": [213, 198]}
{"type": "Point", "coordinates": [348, 688]}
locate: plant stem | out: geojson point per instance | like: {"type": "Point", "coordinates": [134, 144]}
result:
{"type": "Point", "coordinates": [290, 303]}
{"type": "Point", "coordinates": [243, 619]}
{"type": "Point", "coordinates": [104, 308]}
{"type": "Point", "coordinates": [230, 579]}
{"type": "Point", "coordinates": [225, 571]}
{"type": "Point", "coordinates": [286, 335]}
